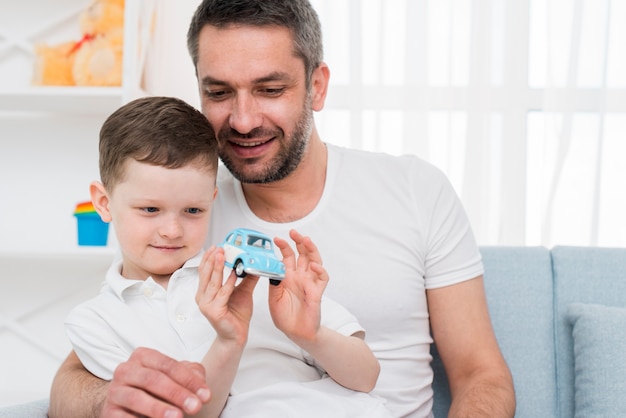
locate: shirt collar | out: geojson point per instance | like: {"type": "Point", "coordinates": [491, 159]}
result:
{"type": "Point", "coordinates": [120, 284]}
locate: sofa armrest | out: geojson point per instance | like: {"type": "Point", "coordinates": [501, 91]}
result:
{"type": "Point", "coordinates": [34, 409]}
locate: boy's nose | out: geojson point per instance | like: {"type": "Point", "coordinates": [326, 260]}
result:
{"type": "Point", "coordinates": [172, 228]}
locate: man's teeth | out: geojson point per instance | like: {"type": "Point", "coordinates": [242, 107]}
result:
{"type": "Point", "coordinates": [249, 144]}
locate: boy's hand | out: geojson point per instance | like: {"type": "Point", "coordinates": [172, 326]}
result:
{"type": "Point", "coordinates": [227, 307]}
{"type": "Point", "coordinates": [295, 303]}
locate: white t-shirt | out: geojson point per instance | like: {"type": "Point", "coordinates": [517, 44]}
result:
{"type": "Point", "coordinates": [387, 228]}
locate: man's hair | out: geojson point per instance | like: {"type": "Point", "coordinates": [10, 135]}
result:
{"type": "Point", "coordinates": [162, 131]}
{"type": "Point", "coordinates": [296, 15]}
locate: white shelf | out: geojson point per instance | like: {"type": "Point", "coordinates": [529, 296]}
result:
{"type": "Point", "coordinates": [17, 57]}
{"type": "Point", "coordinates": [72, 100]}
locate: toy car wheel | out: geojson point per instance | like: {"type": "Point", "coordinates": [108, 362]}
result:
{"type": "Point", "coordinates": [239, 269]}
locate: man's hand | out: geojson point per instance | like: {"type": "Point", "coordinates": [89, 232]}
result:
{"type": "Point", "coordinates": [152, 384]}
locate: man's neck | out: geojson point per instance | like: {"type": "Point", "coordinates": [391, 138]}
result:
{"type": "Point", "coordinates": [295, 196]}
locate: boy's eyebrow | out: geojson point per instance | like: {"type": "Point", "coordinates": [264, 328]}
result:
{"type": "Point", "coordinates": [271, 77]}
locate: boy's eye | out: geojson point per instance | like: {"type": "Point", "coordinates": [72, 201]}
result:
{"type": "Point", "coordinates": [150, 209]}
{"type": "Point", "coordinates": [193, 211]}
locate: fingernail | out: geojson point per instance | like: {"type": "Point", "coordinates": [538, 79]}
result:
{"type": "Point", "coordinates": [171, 413]}
{"type": "Point", "coordinates": [204, 394]}
{"type": "Point", "coordinates": [191, 404]}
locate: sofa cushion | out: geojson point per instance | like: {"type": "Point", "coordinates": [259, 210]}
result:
{"type": "Point", "coordinates": [518, 283]}
{"type": "Point", "coordinates": [587, 275]}
{"type": "Point", "coordinates": [33, 409]}
{"type": "Point", "coordinates": [599, 335]}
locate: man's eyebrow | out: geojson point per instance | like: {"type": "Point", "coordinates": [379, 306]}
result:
{"type": "Point", "coordinates": [210, 80]}
{"type": "Point", "coordinates": [271, 77]}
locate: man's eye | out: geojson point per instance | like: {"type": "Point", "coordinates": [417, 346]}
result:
{"type": "Point", "coordinates": [215, 94]}
{"type": "Point", "coordinates": [270, 91]}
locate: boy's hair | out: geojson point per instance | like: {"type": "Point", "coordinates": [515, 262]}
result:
{"type": "Point", "coordinates": [296, 15]}
{"type": "Point", "coordinates": [162, 131]}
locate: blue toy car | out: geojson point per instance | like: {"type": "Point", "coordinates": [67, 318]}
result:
{"type": "Point", "coordinates": [251, 252]}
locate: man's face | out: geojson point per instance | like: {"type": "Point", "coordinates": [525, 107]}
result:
{"type": "Point", "coordinates": [253, 92]}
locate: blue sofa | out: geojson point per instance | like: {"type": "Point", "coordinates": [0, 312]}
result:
{"type": "Point", "coordinates": [560, 318]}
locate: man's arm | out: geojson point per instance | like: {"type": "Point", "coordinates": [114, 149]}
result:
{"type": "Point", "coordinates": [148, 384]}
{"type": "Point", "coordinates": [480, 381]}
{"type": "Point", "coordinates": [76, 392]}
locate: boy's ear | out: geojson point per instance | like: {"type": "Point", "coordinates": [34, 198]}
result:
{"type": "Point", "coordinates": [215, 193]}
{"type": "Point", "coordinates": [100, 200]}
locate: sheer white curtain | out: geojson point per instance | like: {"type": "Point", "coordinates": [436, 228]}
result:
{"type": "Point", "coordinates": [521, 102]}
{"type": "Point", "coordinates": [577, 140]}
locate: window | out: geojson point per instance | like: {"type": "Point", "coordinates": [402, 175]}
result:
{"type": "Point", "coordinates": [522, 103]}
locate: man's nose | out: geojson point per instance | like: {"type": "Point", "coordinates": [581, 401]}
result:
{"type": "Point", "coordinates": [245, 114]}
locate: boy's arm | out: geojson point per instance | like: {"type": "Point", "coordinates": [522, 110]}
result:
{"type": "Point", "coordinates": [228, 307]}
{"type": "Point", "coordinates": [149, 384]}
{"type": "Point", "coordinates": [347, 359]}
{"type": "Point", "coordinates": [295, 306]}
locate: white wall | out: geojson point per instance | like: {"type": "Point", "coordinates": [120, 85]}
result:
{"type": "Point", "coordinates": [47, 161]}
{"type": "Point", "coordinates": [46, 165]}
{"type": "Point", "coordinates": [171, 71]}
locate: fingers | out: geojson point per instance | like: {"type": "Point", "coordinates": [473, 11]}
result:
{"type": "Point", "coordinates": [211, 273]}
{"type": "Point", "coordinates": [289, 257]}
{"type": "Point", "coordinates": [306, 256]}
{"type": "Point", "coordinates": [305, 246]}
{"type": "Point", "coordinates": [247, 285]}
{"type": "Point", "coordinates": [320, 271]}
{"type": "Point", "coordinates": [206, 268]}
{"type": "Point", "coordinates": [153, 384]}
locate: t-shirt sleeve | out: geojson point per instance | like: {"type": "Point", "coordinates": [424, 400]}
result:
{"type": "Point", "coordinates": [452, 255]}
{"type": "Point", "coordinates": [93, 343]}
{"type": "Point", "coordinates": [335, 316]}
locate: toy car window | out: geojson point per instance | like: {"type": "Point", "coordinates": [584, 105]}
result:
{"type": "Point", "coordinates": [260, 243]}
{"type": "Point", "coordinates": [238, 240]}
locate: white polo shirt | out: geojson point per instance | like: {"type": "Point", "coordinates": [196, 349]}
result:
{"type": "Point", "coordinates": [128, 314]}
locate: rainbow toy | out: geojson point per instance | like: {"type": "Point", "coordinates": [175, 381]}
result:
{"type": "Point", "coordinates": [91, 229]}
{"type": "Point", "coordinates": [84, 207]}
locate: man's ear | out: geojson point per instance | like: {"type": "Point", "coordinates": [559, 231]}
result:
{"type": "Point", "coordinates": [100, 200]}
{"type": "Point", "coordinates": [319, 86]}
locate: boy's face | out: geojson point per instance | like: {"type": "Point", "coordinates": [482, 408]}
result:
{"type": "Point", "coordinates": [160, 216]}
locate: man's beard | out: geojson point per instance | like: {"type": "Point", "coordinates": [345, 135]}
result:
{"type": "Point", "coordinates": [289, 156]}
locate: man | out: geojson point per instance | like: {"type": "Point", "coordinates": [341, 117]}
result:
{"type": "Point", "coordinates": [394, 237]}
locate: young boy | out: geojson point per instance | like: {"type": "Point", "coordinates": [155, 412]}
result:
{"type": "Point", "coordinates": [158, 167]}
